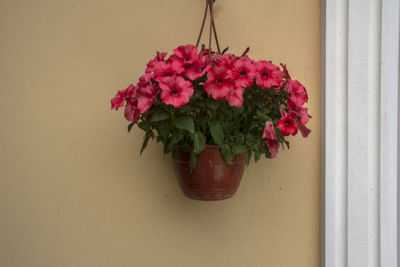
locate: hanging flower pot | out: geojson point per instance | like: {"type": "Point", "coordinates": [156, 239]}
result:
{"type": "Point", "coordinates": [214, 111]}
{"type": "Point", "coordinates": [212, 178]}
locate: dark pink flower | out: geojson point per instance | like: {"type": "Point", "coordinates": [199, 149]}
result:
{"type": "Point", "coordinates": [119, 100]}
{"type": "Point", "coordinates": [130, 91]}
{"type": "Point", "coordinates": [303, 129]}
{"type": "Point", "coordinates": [297, 93]}
{"type": "Point", "coordinates": [235, 97]}
{"type": "Point", "coordinates": [131, 111]}
{"type": "Point", "coordinates": [159, 57]}
{"type": "Point", "coordinates": [198, 68]}
{"type": "Point", "coordinates": [176, 91]}
{"type": "Point", "coordinates": [270, 134]}
{"type": "Point", "coordinates": [162, 69]}
{"type": "Point", "coordinates": [287, 126]}
{"type": "Point", "coordinates": [300, 113]}
{"type": "Point", "coordinates": [218, 59]}
{"type": "Point", "coordinates": [145, 80]}
{"type": "Point", "coordinates": [227, 61]}
{"type": "Point", "coordinates": [283, 112]}
{"type": "Point", "coordinates": [269, 131]}
{"type": "Point", "coordinates": [185, 54]}
{"type": "Point", "coordinates": [245, 72]}
{"type": "Point", "coordinates": [149, 90]}
{"type": "Point", "coordinates": [219, 82]}
{"type": "Point", "coordinates": [301, 117]}
{"type": "Point", "coordinates": [146, 96]}
{"type": "Point", "coordinates": [273, 147]}
{"type": "Point", "coordinates": [144, 103]}
{"type": "Point", "coordinates": [268, 75]}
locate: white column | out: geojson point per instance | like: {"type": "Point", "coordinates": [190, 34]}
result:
{"type": "Point", "coordinates": [360, 161]}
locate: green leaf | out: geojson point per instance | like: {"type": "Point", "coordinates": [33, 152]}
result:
{"type": "Point", "coordinates": [286, 143]}
{"type": "Point", "coordinates": [144, 125]}
{"type": "Point", "coordinates": [250, 140]}
{"type": "Point", "coordinates": [198, 142]}
{"type": "Point", "coordinates": [227, 153]}
{"type": "Point", "coordinates": [271, 92]}
{"type": "Point", "coordinates": [217, 132]}
{"type": "Point", "coordinates": [130, 127]}
{"type": "Point", "coordinates": [145, 142]}
{"type": "Point", "coordinates": [259, 101]}
{"type": "Point", "coordinates": [211, 103]}
{"type": "Point", "coordinates": [185, 147]}
{"type": "Point", "coordinates": [262, 116]}
{"type": "Point", "coordinates": [163, 129]}
{"type": "Point", "coordinates": [185, 123]}
{"type": "Point", "coordinates": [236, 149]}
{"type": "Point", "coordinates": [159, 115]}
{"type": "Point", "coordinates": [238, 110]}
{"type": "Point", "coordinates": [192, 162]}
{"type": "Point", "coordinates": [176, 137]}
{"type": "Point", "coordinates": [255, 125]}
{"type": "Point", "coordinates": [248, 156]}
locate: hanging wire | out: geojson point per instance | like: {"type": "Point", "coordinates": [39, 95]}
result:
{"type": "Point", "coordinates": [209, 3]}
{"type": "Point", "coordinates": [202, 25]}
{"type": "Point", "coordinates": [213, 25]}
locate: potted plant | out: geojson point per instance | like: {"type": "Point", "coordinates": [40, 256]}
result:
{"type": "Point", "coordinates": [214, 112]}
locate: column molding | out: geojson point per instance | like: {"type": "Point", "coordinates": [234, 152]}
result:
{"type": "Point", "coordinates": [360, 133]}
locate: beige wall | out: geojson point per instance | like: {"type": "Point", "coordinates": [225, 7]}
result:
{"type": "Point", "coordinates": [74, 190]}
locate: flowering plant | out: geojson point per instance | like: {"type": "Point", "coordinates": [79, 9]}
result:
{"type": "Point", "coordinates": [193, 98]}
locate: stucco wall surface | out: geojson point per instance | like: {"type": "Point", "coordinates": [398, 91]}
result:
{"type": "Point", "coordinates": [74, 190]}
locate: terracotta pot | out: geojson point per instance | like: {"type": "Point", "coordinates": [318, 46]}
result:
{"type": "Point", "coordinates": [212, 178]}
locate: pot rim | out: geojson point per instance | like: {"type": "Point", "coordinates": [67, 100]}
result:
{"type": "Point", "coordinates": [208, 146]}
{"type": "Point", "coordinates": [213, 147]}
{"type": "Point", "coordinates": [235, 161]}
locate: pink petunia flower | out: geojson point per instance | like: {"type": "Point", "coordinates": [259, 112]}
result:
{"type": "Point", "coordinates": [287, 126]}
{"type": "Point", "coordinates": [235, 97]}
{"type": "Point", "coordinates": [297, 93]}
{"type": "Point", "coordinates": [131, 111]}
{"type": "Point", "coordinates": [159, 57]}
{"type": "Point", "coordinates": [270, 135]}
{"type": "Point", "coordinates": [268, 75]}
{"type": "Point", "coordinates": [301, 117]}
{"type": "Point", "coordinates": [185, 54]}
{"type": "Point", "coordinates": [273, 148]}
{"type": "Point", "coordinates": [269, 131]}
{"type": "Point", "coordinates": [219, 82]}
{"type": "Point", "coordinates": [162, 69]}
{"type": "Point", "coordinates": [198, 68]}
{"type": "Point", "coordinates": [144, 103]}
{"type": "Point", "coordinates": [146, 96]}
{"type": "Point", "coordinates": [283, 112]}
{"type": "Point", "coordinates": [303, 129]}
{"type": "Point", "coordinates": [145, 80]}
{"type": "Point", "coordinates": [176, 91]}
{"type": "Point", "coordinates": [149, 90]}
{"type": "Point", "coordinates": [119, 100]}
{"type": "Point", "coordinates": [246, 72]}
{"type": "Point", "coordinates": [227, 61]}
{"type": "Point", "coordinates": [300, 113]}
